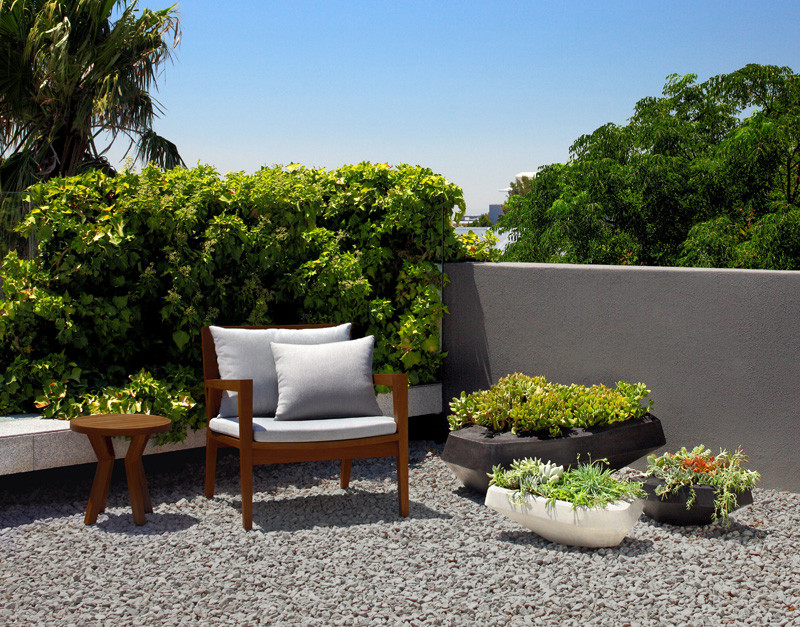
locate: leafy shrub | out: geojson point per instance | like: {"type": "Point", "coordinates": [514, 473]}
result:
{"type": "Point", "coordinates": [25, 379]}
{"type": "Point", "coordinates": [131, 267]}
{"type": "Point", "coordinates": [473, 247]}
{"type": "Point", "coordinates": [686, 469]}
{"type": "Point", "coordinates": [520, 404]}
{"type": "Point", "coordinates": [173, 396]}
{"type": "Point", "coordinates": [585, 485]}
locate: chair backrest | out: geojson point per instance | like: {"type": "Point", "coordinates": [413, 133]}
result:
{"type": "Point", "coordinates": [211, 367]}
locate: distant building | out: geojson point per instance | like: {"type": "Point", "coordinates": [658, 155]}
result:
{"type": "Point", "coordinates": [495, 211]}
{"type": "Point", "coordinates": [469, 219]}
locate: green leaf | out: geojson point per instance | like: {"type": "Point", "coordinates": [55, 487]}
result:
{"type": "Point", "coordinates": [431, 344]}
{"type": "Point", "coordinates": [120, 301]}
{"type": "Point", "coordinates": [180, 338]}
{"type": "Point", "coordinates": [411, 359]}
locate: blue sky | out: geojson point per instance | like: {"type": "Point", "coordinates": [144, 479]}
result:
{"type": "Point", "coordinates": [475, 90]}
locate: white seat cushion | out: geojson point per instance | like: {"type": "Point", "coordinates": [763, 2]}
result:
{"type": "Point", "coordinates": [322, 430]}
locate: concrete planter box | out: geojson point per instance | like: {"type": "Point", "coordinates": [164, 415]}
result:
{"type": "Point", "coordinates": [593, 527]}
{"type": "Point", "coordinates": [422, 400]}
{"type": "Point", "coordinates": [672, 509]}
{"type": "Point", "coordinates": [472, 452]}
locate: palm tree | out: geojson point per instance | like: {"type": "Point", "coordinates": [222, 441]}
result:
{"type": "Point", "coordinates": [70, 77]}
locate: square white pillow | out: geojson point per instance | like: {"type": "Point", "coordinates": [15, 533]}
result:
{"type": "Point", "coordinates": [325, 380]}
{"type": "Point", "coordinates": [246, 354]}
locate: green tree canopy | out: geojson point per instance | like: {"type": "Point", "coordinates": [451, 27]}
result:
{"type": "Point", "coordinates": [520, 186]}
{"type": "Point", "coordinates": [70, 76]}
{"type": "Point", "coordinates": [706, 175]}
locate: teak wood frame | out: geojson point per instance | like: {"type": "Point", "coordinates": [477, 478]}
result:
{"type": "Point", "coordinates": [252, 453]}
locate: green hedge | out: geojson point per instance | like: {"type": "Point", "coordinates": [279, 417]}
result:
{"type": "Point", "coordinates": [107, 316]}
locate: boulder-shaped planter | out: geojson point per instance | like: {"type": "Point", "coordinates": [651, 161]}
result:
{"type": "Point", "coordinates": [592, 527]}
{"type": "Point", "coordinates": [472, 452]}
{"type": "Point", "coordinates": [671, 508]}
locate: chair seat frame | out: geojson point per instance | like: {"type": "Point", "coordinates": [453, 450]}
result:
{"type": "Point", "coordinates": [252, 453]}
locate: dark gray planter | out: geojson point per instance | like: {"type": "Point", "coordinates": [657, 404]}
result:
{"type": "Point", "coordinates": [671, 508]}
{"type": "Point", "coordinates": [473, 451]}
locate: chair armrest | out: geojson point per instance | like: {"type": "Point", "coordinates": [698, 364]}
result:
{"type": "Point", "coordinates": [230, 385]}
{"type": "Point", "coordinates": [399, 385]}
{"type": "Point", "coordinates": [244, 399]}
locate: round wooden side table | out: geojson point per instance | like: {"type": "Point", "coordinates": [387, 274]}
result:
{"type": "Point", "coordinates": [101, 428]}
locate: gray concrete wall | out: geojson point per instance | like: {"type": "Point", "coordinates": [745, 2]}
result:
{"type": "Point", "coordinates": [718, 348]}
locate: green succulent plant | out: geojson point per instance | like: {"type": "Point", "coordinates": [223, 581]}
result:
{"type": "Point", "coordinates": [699, 466]}
{"type": "Point", "coordinates": [520, 404]}
{"type": "Point", "coordinates": [525, 474]}
{"type": "Point", "coordinates": [584, 485]}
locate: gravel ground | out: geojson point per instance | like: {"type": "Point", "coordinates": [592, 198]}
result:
{"type": "Point", "coordinates": [319, 555]}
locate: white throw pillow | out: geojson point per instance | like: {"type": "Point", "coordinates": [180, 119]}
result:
{"type": "Point", "coordinates": [325, 380]}
{"type": "Point", "coordinates": [246, 354]}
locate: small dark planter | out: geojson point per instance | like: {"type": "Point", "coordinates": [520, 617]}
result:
{"type": "Point", "coordinates": [672, 508]}
{"type": "Point", "coordinates": [473, 451]}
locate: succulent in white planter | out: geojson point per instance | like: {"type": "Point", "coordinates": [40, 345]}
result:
{"type": "Point", "coordinates": [584, 506]}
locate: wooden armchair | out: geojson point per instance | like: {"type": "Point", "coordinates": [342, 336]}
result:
{"type": "Point", "coordinates": [298, 440]}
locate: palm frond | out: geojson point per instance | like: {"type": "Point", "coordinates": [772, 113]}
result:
{"type": "Point", "coordinates": [67, 72]}
{"type": "Point", "coordinates": [156, 149]}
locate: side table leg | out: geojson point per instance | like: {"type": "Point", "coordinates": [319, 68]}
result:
{"type": "Point", "coordinates": [104, 450]}
{"type": "Point", "coordinates": [137, 484]}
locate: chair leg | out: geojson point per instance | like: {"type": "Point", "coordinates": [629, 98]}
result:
{"type": "Point", "coordinates": [246, 475]}
{"type": "Point", "coordinates": [344, 482]}
{"type": "Point", "coordinates": [402, 479]}
{"type": "Point", "coordinates": [211, 466]}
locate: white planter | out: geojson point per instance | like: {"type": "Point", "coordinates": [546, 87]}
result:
{"type": "Point", "coordinates": [589, 527]}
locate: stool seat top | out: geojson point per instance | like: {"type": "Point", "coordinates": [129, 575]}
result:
{"type": "Point", "coordinates": [120, 424]}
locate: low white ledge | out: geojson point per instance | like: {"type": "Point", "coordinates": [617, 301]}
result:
{"type": "Point", "coordinates": [33, 443]}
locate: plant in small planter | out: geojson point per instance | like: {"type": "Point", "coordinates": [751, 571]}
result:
{"type": "Point", "coordinates": [523, 416]}
{"type": "Point", "coordinates": [583, 506]}
{"type": "Point", "coordinates": [697, 487]}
